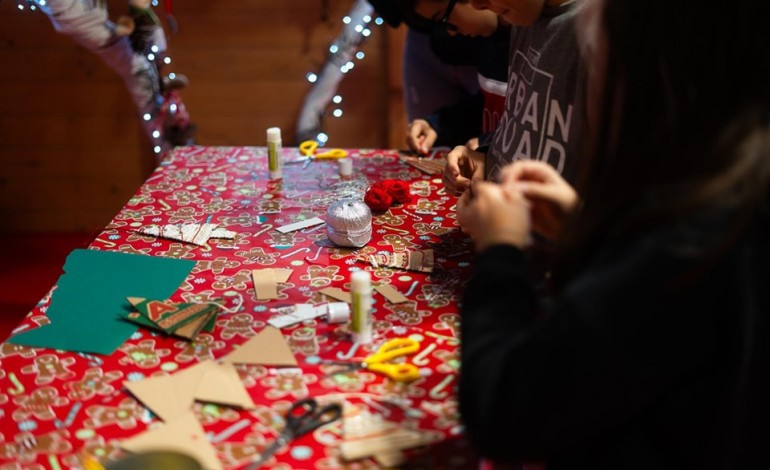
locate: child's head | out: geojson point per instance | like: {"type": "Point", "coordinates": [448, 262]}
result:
{"type": "Point", "coordinates": [457, 16]}
{"type": "Point", "coordinates": [516, 12]}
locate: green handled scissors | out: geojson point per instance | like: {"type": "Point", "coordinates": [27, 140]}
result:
{"type": "Point", "coordinates": [377, 362]}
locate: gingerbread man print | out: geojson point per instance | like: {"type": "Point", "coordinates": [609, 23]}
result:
{"type": "Point", "coordinates": [321, 276]}
{"type": "Point", "coordinates": [406, 312]}
{"type": "Point", "coordinates": [143, 355]}
{"type": "Point", "coordinates": [217, 266]}
{"type": "Point", "coordinates": [94, 382]}
{"type": "Point", "coordinates": [49, 367]}
{"type": "Point", "coordinates": [40, 404]}
{"type": "Point", "coordinates": [125, 415]}
{"type": "Point", "coordinates": [52, 443]}
{"type": "Point", "coordinates": [287, 383]}
{"type": "Point", "coordinates": [179, 250]}
{"type": "Point", "coordinates": [238, 281]}
{"type": "Point", "coordinates": [400, 243]}
{"type": "Point", "coordinates": [389, 218]}
{"type": "Point", "coordinates": [201, 349]}
{"type": "Point", "coordinates": [240, 324]}
{"type": "Point", "coordinates": [257, 255]}
{"type": "Point", "coordinates": [10, 350]}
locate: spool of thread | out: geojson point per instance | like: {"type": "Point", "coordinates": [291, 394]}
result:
{"type": "Point", "coordinates": [346, 166]}
{"type": "Point", "coordinates": [349, 223]}
{"type": "Point", "coordinates": [338, 312]}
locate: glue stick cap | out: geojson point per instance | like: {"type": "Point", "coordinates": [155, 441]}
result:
{"type": "Point", "coordinates": [274, 134]}
{"type": "Point", "coordinates": [361, 281]}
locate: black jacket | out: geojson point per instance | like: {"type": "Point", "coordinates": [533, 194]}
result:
{"type": "Point", "coordinates": [653, 358]}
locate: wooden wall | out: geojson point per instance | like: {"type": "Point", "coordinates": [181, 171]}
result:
{"type": "Point", "coordinates": [71, 150]}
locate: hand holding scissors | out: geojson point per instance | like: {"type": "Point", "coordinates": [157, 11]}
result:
{"type": "Point", "coordinates": [377, 362]}
{"type": "Point", "coordinates": [303, 416]}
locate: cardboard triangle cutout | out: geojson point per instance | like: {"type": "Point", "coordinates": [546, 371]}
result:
{"type": "Point", "coordinates": [183, 434]}
{"type": "Point", "coordinates": [222, 385]}
{"type": "Point", "coordinates": [268, 347]}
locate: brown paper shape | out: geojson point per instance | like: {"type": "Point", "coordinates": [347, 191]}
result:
{"type": "Point", "coordinates": [412, 260]}
{"type": "Point", "coordinates": [197, 234]}
{"type": "Point", "coordinates": [266, 281]}
{"type": "Point", "coordinates": [430, 166]}
{"type": "Point", "coordinates": [222, 385]}
{"type": "Point", "coordinates": [268, 347]}
{"type": "Point", "coordinates": [182, 434]}
{"type": "Point", "coordinates": [168, 396]}
{"type": "Point", "coordinates": [337, 293]}
{"type": "Point", "coordinates": [390, 293]}
{"type": "Point", "coordinates": [389, 443]}
{"type": "Point", "coordinates": [158, 394]}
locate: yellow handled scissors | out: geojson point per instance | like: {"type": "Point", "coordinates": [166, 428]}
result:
{"type": "Point", "coordinates": [309, 149]}
{"type": "Point", "coordinates": [377, 362]}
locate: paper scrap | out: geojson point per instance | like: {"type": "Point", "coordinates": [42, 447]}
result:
{"type": "Point", "coordinates": [412, 260]}
{"type": "Point", "coordinates": [197, 234]}
{"type": "Point", "coordinates": [397, 440]}
{"type": "Point", "coordinates": [182, 434]}
{"type": "Point", "coordinates": [337, 293]}
{"type": "Point", "coordinates": [91, 296]}
{"type": "Point", "coordinates": [430, 166]}
{"type": "Point", "coordinates": [268, 347]}
{"type": "Point", "coordinates": [169, 396]}
{"type": "Point", "coordinates": [266, 281]}
{"type": "Point", "coordinates": [297, 314]}
{"type": "Point", "coordinates": [181, 319]}
{"type": "Point", "coordinates": [221, 384]}
{"type": "Point", "coordinates": [300, 225]}
{"type": "Point", "coordinates": [390, 293]}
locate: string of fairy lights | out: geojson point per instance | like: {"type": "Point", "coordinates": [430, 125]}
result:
{"type": "Point", "coordinates": [342, 52]}
{"type": "Point", "coordinates": [324, 98]}
{"type": "Point", "coordinates": [153, 56]}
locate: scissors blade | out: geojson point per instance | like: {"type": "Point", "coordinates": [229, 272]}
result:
{"type": "Point", "coordinates": [269, 451]}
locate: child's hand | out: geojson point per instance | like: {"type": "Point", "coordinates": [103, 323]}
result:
{"type": "Point", "coordinates": [492, 214]}
{"type": "Point", "coordinates": [551, 197]}
{"type": "Point", "coordinates": [463, 166]}
{"type": "Point", "coordinates": [420, 136]}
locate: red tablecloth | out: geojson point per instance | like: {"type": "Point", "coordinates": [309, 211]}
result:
{"type": "Point", "coordinates": [55, 404]}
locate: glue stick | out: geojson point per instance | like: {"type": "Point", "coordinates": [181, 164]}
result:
{"type": "Point", "coordinates": [361, 292]}
{"type": "Point", "coordinates": [274, 150]}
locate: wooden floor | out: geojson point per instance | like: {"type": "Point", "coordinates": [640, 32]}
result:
{"type": "Point", "coordinates": [30, 264]}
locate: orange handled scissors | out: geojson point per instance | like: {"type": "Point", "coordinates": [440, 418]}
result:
{"type": "Point", "coordinates": [377, 362]}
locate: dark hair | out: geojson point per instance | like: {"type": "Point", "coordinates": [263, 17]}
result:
{"type": "Point", "coordinates": [685, 120]}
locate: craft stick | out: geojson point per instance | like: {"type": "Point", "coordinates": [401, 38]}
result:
{"type": "Point", "coordinates": [300, 225]}
{"type": "Point", "coordinates": [390, 293]}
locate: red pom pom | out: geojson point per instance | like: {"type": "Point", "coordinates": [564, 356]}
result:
{"type": "Point", "coordinates": [399, 190]}
{"type": "Point", "coordinates": [378, 199]}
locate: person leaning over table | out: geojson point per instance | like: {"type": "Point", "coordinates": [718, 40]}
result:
{"type": "Point", "coordinates": [544, 103]}
{"type": "Point", "coordinates": [434, 75]}
{"type": "Point", "coordinates": [484, 38]}
{"type": "Point", "coordinates": [654, 351]}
